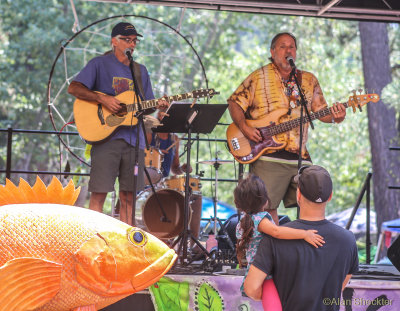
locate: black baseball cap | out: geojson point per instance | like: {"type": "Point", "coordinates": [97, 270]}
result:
{"type": "Point", "coordinates": [315, 183]}
{"type": "Point", "coordinates": [124, 29]}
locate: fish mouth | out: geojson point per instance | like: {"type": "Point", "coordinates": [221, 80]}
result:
{"type": "Point", "coordinates": [155, 271]}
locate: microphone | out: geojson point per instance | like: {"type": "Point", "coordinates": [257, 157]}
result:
{"type": "Point", "coordinates": [128, 53]}
{"type": "Point", "coordinates": [291, 62]}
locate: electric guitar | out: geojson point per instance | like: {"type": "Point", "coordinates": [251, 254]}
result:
{"type": "Point", "coordinates": [96, 123]}
{"type": "Point", "coordinates": [247, 151]}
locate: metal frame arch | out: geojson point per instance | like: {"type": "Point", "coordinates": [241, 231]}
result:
{"type": "Point", "coordinates": [49, 104]}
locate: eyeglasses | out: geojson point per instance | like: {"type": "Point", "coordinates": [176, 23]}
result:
{"type": "Point", "coordinates": [129, 40]}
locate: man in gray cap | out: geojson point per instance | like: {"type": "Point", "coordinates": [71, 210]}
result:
{"type": "Point", "coordinates": [307, 278]}
{"type": "Point", "coordinates": [115, 157]}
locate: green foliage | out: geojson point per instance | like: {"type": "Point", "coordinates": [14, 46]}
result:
{"type": "Point", "coordinates": [230, 46]}
{"type": "Point", "coordinates": [207, 298]}
{"type": "Point", "coordinates": [170, 295]}
{"type": "Point", "coordinates": [362, 252]}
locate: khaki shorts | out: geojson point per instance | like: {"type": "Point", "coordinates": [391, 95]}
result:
{"type": "Point", "coordinates": [279, 180]}
{"type": "Point", "coordinates": [112, 159]}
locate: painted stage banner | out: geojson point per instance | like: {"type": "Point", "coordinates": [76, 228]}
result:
{"type": "Point", "coordinates": [222, 292]}
{"type": "Point", "coordinates": [200, 293]}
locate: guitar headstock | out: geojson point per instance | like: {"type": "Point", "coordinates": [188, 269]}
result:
{"type": "Point", "coordinates": [204, 93]}
{"type": "Point", "coordinates": [357, 101]}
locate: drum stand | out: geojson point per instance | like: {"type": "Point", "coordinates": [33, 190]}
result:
{"type": "Point", "coordinates": [217, 163]}
{"type": "Point", "coordinates": [189, 118]}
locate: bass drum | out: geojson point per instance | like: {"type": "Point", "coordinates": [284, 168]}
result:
{"type": "Point", "coordinates": [173, 203]}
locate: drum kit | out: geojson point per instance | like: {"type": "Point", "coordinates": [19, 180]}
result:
{"type": "Point", "coordinates": [171, 192]}
{"type": "Point", "coordinates": [167, 209]}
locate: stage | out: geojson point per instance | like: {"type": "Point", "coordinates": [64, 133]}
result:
{"type": "Point", "coordinates": [374, 287]}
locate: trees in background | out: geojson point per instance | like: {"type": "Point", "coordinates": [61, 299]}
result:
{"type": "Point", "coordinates": [231, 46]}
{"type": "Point", "coordinates": [382, 124]}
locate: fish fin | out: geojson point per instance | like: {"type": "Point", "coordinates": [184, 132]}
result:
{"type": "Point", "coordinates": [86, 308]}
{"type": "Point", "coordinates": [28, 283]}
{"type": "Point", "coordinates": [14, 190]}
{"type": "Point", "coordinates": [6, 195]}
{"type": "Point", "coordinates": [70, 193]}
{"type": "Point", "coordinates": [55, 191]}
{"type": "Point", "coordinates": [40, 190]}
{"type": "Point", "coordinates": [4, 198]}
{"type": "Point", "coordinates": [27, 191]}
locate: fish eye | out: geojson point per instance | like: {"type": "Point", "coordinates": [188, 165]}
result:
{"type": "Point", "coordinates": [137, 237]}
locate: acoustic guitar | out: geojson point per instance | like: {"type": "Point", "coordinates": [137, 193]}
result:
{"type": "Point", "coordinates": [247, 151]}
{"type": "Point", "coordinates": [96, 123]}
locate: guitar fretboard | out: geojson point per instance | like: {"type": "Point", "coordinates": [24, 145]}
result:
{"type": "Point", "coordinates": [289, 125]}
{"type": "Point", "coordinates": [146, 104]}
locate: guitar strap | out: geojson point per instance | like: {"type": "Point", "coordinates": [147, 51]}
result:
{"type": "Point", "coordinates": [138, 77]}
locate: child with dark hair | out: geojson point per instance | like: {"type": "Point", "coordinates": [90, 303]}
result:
{"type": "Point", "coordinates": [251, 198]}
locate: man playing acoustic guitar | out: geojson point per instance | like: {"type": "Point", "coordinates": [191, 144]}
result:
{"type": "Point", "coordinates": [110, 74]}
{"type": "Point", "coordinates": [268, 93]}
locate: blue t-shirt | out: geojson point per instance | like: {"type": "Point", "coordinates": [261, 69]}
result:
{"type": "Point", "coordinates": [168, 158]}
{"type": "Point", "coordinates": [108, 75]}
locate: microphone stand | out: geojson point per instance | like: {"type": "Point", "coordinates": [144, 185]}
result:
{"type": "Point", "coordinates": [139, 115]}
{"type": "Point", "coordinates": [303, 106]}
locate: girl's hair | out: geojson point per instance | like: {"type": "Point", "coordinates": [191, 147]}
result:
{"type": "Point", "coordinates": [250, 197]}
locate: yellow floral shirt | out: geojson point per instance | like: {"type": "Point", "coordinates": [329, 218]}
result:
{"type": "Point", "coordinates": [263, 94]}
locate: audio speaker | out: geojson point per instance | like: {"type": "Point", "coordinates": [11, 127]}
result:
{"type": "Point", "coordinates": [393, 253]}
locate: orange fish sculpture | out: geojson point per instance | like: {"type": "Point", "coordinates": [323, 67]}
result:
{"type": "Point", "coordinates": [61, 257]}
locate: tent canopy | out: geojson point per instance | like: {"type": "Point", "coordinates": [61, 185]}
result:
{"type": "Point", "coordinates": [391, 225]}
{"type": "Point", "coordinates": [369, 10]}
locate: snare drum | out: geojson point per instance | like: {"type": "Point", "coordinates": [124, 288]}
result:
{"type": "Point", "coordinates": [152, 160]}
{"type": "Point", "coordinates": [178, 183]}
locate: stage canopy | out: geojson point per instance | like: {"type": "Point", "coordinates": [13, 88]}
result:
{"type": "Point", "coordinates": [367, 10]}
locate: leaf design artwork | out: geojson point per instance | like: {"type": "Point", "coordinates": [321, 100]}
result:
{"type": "Point", "coordinates": [207, 298]}
{"type": "Point", "coordinates": [170, 295]}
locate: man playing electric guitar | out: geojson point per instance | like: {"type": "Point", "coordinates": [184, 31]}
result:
{"type": "Point", "coordinates": [265, 91]}
{"type": "Point", "coordinates": [110, 74]}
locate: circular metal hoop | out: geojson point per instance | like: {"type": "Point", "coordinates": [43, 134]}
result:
{"type": "Point", "coordinates": [65, 44]}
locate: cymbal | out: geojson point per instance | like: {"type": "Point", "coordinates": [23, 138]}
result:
{"type": "Point", "coordinates": [150, 122]}
{"type": "Point", "coordinates": [215, 161]}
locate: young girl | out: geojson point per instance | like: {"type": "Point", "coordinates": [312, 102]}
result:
{"type": "Point", "coordinates": [251, 198]}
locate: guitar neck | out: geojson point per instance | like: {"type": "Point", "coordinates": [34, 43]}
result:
{"type": "Point", "coordinates": [289, 125]}
{"type": "Point", "coordinates": [147, 104]}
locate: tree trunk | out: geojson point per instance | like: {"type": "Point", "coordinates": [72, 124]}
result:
{"type": "Point", "coordinates": [381, 121]}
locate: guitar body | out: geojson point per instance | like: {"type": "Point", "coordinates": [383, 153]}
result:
{"type": "Point", "coordinates": [273, 128]}
{"type": "Point", "coordinates": [88, 118]}
{"type": "Point", "coordinates": [246, 151]}
{"type": "Point", "coordinates": [96, 123]}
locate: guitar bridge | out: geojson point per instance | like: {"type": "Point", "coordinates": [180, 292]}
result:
{"type": "Point", "coordinates": [235, 144]}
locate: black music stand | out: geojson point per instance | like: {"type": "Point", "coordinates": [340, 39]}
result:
{"type": "Point", "coordinates": [189, 118]}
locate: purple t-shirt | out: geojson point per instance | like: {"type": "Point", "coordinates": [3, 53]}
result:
{"type": "Point", "coordinates": [108, 75]}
